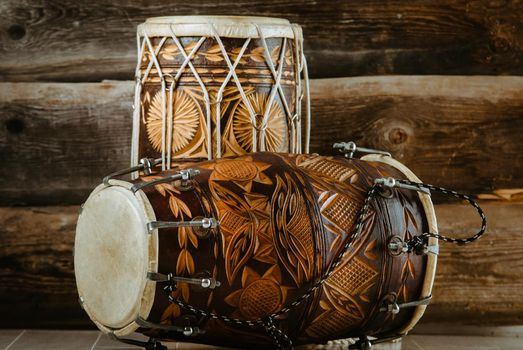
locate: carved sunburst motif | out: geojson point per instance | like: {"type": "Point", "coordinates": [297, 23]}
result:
{"type": "Point", "coordinates": [186, 120]}
{"type": "Point", "coordinates": [260, 295]}
{"type": "Point", "coordinates": [275, 133]}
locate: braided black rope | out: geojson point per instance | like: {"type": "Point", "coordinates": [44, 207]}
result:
{"type": "Point", "coordinates": [281, 340]}
{"type": "Point", "coordinates": [470, 200]}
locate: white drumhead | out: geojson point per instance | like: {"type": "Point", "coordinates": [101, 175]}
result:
{"type": "Point", "coordinates": [227, 20]}
{"type": "Point", "coordinates": [113, 253]}
{"type": "Point", "coordinates": [223, 26]}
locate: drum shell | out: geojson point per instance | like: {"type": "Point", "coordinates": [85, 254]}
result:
{"type": "Point", "coordinates": [196, 102]}
{"type": "Point", "coordinates": [301, 209]}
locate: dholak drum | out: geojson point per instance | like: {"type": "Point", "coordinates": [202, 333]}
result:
{"type": "Point", "coordinates": [258, 250]}
{"type": "Point", "coordinates": [213, 86]}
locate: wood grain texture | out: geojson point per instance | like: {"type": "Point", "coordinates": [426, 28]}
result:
{"type": "Point", "coordinates": [60, 139]}
{"type": "Point", "coordinates": [460, 132]}
{"type": "Point", "coordinates": [37, 286]}
{"type": "Point", "coordinates": [67, 40]}
{"type": "Point", "coordinates": [483, 282]}
{"type": "Point", "coordinates": [478, 284]}
{"type": "Point", "coordinates": [456, 132]}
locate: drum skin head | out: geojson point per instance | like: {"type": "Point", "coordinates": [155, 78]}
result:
{"type": "Point", "coordinates": [228, 20]}
{"type": "Point", "coordinates": [223, 26]}
{"type": "Point", "coordinates": [112, 256]}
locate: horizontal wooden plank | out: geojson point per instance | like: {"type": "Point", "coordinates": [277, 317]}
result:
{"type": "Point", "coordinates": [59, 139]}
{"type": "Point", "coordinates": [92, 41]}
{"type": "Point", "coordinates": [481, 283]}
{"type": "Point", "coordinates": [37, 286]}
{"type": "Point", "coordinates": [457, 132]}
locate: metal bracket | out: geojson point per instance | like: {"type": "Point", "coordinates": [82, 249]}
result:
{"type": "Point", "coordinates": [151, 344]}
{"type": "Point", "coordinates": [393, 307]}
{"type": "Point", "coordinates": [398, 246]}
{"type": "Point", "coordinates": [186, 330]}
{"type": "Point", "coordinates": [184, 176]}
{"type": "Point", "coordinates": [206, 282]}
{"type": "Point", "coordinates": [146, 164]}
{"type": "Point", "coordinates": [364, 343]}
{"type": "Point", "coordinates": [391, 183]}
{"type": "Point", "coordinates": [349, 148]}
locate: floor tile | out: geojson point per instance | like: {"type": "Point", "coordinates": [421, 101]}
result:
{"type": "Point", "coordinates": [7, 336]}
{"type": "Point", "coordinates": [94, 340]}
{"type": "Point", "coordinates": [452, 342]}
{"type": "Point", "coordinates": [107, 343]}
{"type": "Point", "coordinates": [53, 340]}
{"type": "Point", "coordinates": [407, 343]}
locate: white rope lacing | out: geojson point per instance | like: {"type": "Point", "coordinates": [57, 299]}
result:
{"type": "Point", "coordinates": [245, 100]}
{"type": "Point", "coordinates": [302, 91]}
{"type": "Point", "coordinates": [187, 61]}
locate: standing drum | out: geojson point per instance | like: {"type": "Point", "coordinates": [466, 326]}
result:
{"type": "Point", "coordinates": [208, 87]}
{"type": "Point", "coordinates": [260, 250]}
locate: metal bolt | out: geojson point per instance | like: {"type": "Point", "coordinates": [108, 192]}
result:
{"type": "Point", "coordinates": [206, 282]}
{"type": "Point", "coordinates": [188, 331]}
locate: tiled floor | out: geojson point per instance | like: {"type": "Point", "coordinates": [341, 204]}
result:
{"type": "Point", "coordinates": [93, 340]}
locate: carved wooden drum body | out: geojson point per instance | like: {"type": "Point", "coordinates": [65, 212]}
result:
{"type": "Point", "coordinates": [218, 86]}
{"type": "Point", "coordinates": [239, 239]}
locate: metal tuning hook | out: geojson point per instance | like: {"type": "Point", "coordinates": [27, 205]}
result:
{"type": "Point", "coordinates": [349, 148]}
{"type": "Point", "coordinates": [184, 176]}
{"type": "Point", "coordinates": [391, 182]}
{"type": "Point", "coordinates": [145, 164]}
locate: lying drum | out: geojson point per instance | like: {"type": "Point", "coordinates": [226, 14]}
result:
{"type": "Point", "coordinates": [257, 250]}
{"type": "Point", "coordinates": [218, 86]}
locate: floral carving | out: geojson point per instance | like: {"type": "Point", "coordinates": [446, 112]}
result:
{"type": "Point", "coordinates": [259, 296]}
{"type": "Point", "coordinates": [275, 125]}
{"type": "Point", "coordinates": [185, 122]}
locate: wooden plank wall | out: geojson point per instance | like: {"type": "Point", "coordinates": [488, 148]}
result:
{"type": "Point", "coordinates": [438, 83]}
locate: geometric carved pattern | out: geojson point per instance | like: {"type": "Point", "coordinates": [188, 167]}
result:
{"type": "Point", "coordinates": [340, 210]}
{"type": "Point", "coordinates": [352, 277]}
{"type": "Point", "coordinates": [232, 222]}
{"type": "Point", "coordinates": [329, 323]}
{"type": "Point", "coordinates": [300, 227]}
{"type": "Point", "coordinates": [325, 167]}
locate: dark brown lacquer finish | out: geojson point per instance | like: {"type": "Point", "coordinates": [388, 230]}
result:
{"type": "Point", "coordinates": [191, 104]}
{"type": "Point", "coordinates": [282, 220]}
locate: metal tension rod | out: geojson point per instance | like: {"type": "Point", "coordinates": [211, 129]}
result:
{"type": "Point", "coordinates": [205, 282]}
{"type": "Point", "coordinates": [146, 164]}
{"type": "Point", "coordinates": [205, 223]}
{"type": "Point", "coordinates": [349, 148]}
{"type": "Point", "coordinates": [395, 308]}
{"type": "Point", "coordinates": [184, 175]}
{"type": "Point", "coordinates": [391, 182]}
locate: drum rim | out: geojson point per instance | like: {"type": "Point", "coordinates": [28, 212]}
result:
{"type": "Point", "coordinates": [240, 27]}
{"type": "Point", "coordinates": [147, 297]}
{"type": "Point", "coordinates": [430, 214]}
{"type": "Point", "coordinates": [219, 19]}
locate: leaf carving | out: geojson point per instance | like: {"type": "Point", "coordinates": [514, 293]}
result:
{"type": "Point", "coordinates": [238, 252]}
{"type": "Point", "coordinates": [257, 55]}
{"type": "Point", "coordinates": [180, 262]}
{"type": "Point", "coordinates": [292, 230]}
